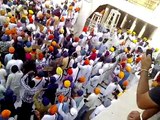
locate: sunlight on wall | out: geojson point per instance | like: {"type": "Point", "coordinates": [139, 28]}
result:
{"type": "Point", "coordinates": [149, 4]}
{"type": "Point", "coordinates": [156, 39]}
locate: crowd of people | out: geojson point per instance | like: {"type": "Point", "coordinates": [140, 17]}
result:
{"type": "Point", "coordinates": [52, 73]}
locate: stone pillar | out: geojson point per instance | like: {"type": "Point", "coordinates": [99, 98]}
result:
{"type": "Point", "coordinates": [142, 30]}
{"type": "Point", "coordinates": [86, 10]}
{"type": "Point", "coordinates": [124, 21]}
{"type": "Point", "coordinates": [105, 15]}
{"type": "Point", "coordinates": [155, 42]}
{"type": "Point", "coordinates": [133, 25]}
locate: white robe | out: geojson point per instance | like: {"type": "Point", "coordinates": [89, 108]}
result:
{"type": "Point", "coordinates": [10, 63]}
{"type": "Point", "coordinates": [93, 82]}
{"type": "Point", "coordinates": [96, 67]}
{"type": "Point", "coordinates": [75, 72]}
{"type": "Point", "coordinates": [13, 81]}
{"type": "Point", "coordinates": [74, 19]}
{"type": "Point", "coordinates": [85, 71]}
{"type": "Point", "coordinates": [3, 74]}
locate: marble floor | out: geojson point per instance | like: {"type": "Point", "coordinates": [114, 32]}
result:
{"type": "Point", "coordinates": [121, 107]}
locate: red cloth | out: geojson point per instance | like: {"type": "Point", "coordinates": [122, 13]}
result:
{"type": "Point", "coordinates": [158, 78]}
{"type": "Point", "coordinates": [93, 56]}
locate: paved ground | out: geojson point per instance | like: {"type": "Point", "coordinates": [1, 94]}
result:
{"type": "Point", "coordinates": [123, 106]}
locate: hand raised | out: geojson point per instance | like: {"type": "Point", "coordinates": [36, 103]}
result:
{"type": "Point", "coordinates": [146, 62]}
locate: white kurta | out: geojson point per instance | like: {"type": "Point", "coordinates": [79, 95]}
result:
{"type": "Point", "coordinates": [13, 81]}
{"type": "Point", "coordinates": [3, 74]}
{"type": "Point", "coordinates": [49, 117]}
{"type": "Point", "coordinates": [93, 82]}
{"type": "Point", "coordinates": [10, 63]}
{"type": "Point", "coordinates": [91, 101]}
{"type": "Point", "coordinates": [97, 111]}
{"type": "Point", "coordinates": [74, 19]}
{"type": "Point", "coordinates": [109, 90]}
{"type": "Point", "coordinates": [75, 72]}
{"type": "Point", "coordinates": [96, 67]}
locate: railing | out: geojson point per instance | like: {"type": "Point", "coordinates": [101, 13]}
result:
{"type": "Point", "coordinates": [149, 4]}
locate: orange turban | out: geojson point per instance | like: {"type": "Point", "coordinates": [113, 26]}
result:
{"type": "Point", "coordinates": [53, 109]}
{"type": "Point", "coordinates": [5, 114]}
{"type": "Point", "coordinates": [61, 98]}
{"type": "Point", "coordinates": [11, 50]}
{"type": "Point", "coordinates": [97, 90]}
{"type": "Point", "coordinates": [87, 62]}
{"type": "Point", "coordinates": [51, 48]}
{"type": "Point", "coordinates": [40, 56]}
{"type": "Point", "coordinates": [82, 79]}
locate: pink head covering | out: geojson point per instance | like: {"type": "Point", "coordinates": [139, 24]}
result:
{"type": "Point", "coordinates": [28, 56]}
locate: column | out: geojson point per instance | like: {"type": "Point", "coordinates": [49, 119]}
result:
{"type": "Point", "coordinates": [155, 42]}
{"type": "Point", "coordinates": [133, 25]}
{"type": "Point", "coordinates": [86, 10]}
{"type": "Point", "coordinates": [105, 15]}
{"type": "Point", "coordinates": [118, 17]}
{"type": "Point", "coordinates": [142, 30]}
{"type": "Point", "coordinates": [124, 21]}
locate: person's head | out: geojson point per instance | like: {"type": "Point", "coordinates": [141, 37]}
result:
{"type": "Point", "coordinates": [74, 65]}
{"type": "Point", "coordinates": [5, 114]}
{"type": "Point", "coordinates": [9, 96]}
{"type": "Point", "coordinates": [101, 59]}
{"type": "Point", "coordinates": [45, 101]}
{"type": "Point", "coordinates": [106, 102]}
{"type": "Point", "coordinates": [53, 109]}
{"type": "Point", "coordinates": [80, 92]}
{"type": "Point", "coordinates": [15, 57]}
{"type": "Point", "coordinates": [40, 56]}
{"type": "Point", "coordinates": [113, 60]}
{"type": "Point", "coordinates": [75, 55]}
{"type": "Point", "coordinates": [52, 80]}
{"type": "Point", "coordinates": [14, 69]}
{"type": "Point", "coordinates": [97, 91]}
{"type": "Point", "coordinates": [11, 50]}
{"type": "Point", "coordinates": [31, 83]}
{"type": "Point", "coordinates": [65, 54]}
{"type": "Point", "coordinates": [40, 74]}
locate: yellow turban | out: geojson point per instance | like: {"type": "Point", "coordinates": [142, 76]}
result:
{"type": "Point", "coordinates": [59, 71]}
{"type": "Point", "coordinates": [133, 33]}
{"type": "Point", "coordinates": [129, 60]}
{"type": "Point", "coordinates": [31, 12]}
{"type": "Point", "coordinates": [112, 49]}
{"type": "Point", "coordinates": [157, 49]}
{"type": "Point", "coordinates": [134, 41]}
{"type": "Point", "coordinates": [67, 83]}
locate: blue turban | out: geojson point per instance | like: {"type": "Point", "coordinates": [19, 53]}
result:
{"type": "Point", "coordinates": [80, 92]}
{"type": "Point", "coordinates": [28, 44]}
{"type": "Point", "coordinates": [81, 36]}
{"type": "Point", "coordinates": [45, 101]}
{"type": "Point", "coordinates": [52, 80]}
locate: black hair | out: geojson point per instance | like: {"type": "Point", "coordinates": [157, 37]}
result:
{"type": "Point", "coordinates": [75, 55]}
{"type": "Point", "coordinates": [31, 83]}
{"type": "Point", "coordinates": [129, 48]}
{"type": "Point", "coordinates": [129, 55]}
{"type": "Point", "coordinates": [113, 60]}
{"type": "Point", "coordinates": [101, 59]}
{"type": "Point", "coordinates": [14, 69]}
{"type": "Point", "coordinates": [48, 11]}
{"type": "Point", "coordinates": [114, 48]}
{"type": "Point", "coordinates": [105, 40]}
